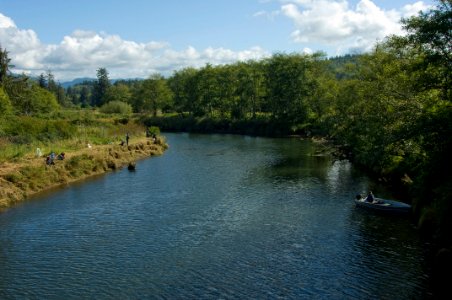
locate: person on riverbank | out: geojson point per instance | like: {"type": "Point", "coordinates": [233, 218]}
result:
{"type": "Point", "coordinates": [38, 152]}
{"type": "Point", "coordinates": [127, 139]}
{"type": "Point", "coordinates": [61, 156]}
{"type": "Point", "coordinates": [49, 160]}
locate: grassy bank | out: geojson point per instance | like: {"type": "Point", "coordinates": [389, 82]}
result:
{"type": "Point", "coordinates": [29, 175]}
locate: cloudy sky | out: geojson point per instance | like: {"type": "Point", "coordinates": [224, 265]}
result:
{"type": "Point", "coordinates": [137, 38]}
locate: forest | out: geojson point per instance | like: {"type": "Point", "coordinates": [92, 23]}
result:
{"type": "Point", "coordinates": [389, 110]}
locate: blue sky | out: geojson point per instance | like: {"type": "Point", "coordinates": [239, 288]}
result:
{"type": "Point", "coordinates": [137, 38]}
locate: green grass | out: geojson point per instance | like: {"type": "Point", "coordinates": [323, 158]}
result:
{"type": "Point", "coordinates": [62, 131]}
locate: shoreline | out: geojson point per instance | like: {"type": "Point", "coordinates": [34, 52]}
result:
{"type": "Point", "coordinates": [29, 177]}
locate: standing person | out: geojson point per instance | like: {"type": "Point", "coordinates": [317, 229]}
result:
{"type": "Point", "coordinates": [127, 139]}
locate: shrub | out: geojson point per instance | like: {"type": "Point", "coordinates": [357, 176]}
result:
{"type": "Point", "coordinates": [116, 107]}
{"type": "Point", "coordinates": [154, 130]}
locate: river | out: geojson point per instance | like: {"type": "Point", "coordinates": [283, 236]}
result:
{"type": "Point", "coordinates": [216, 216]}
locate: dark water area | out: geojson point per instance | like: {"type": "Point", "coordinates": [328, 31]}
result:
{"type": "Point", "coordinates": [217, 216]}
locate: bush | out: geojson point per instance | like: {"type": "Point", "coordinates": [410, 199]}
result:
{"type": "Point", "coordinates": [154, 130]}
{"type": "Point", "coordinates": [116, 107]}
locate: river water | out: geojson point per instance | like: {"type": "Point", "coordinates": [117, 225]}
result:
{"type": "Point", "coordinates": [217, 216]}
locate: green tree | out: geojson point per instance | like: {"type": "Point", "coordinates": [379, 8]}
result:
{"type": "Point", "coordinates": [250, 89]}
{"type": "Point", "coordinates": [430, 33]}
{"type": "Point", "coordinates": [289, 86]}
{"type": "Point", "coordinates": [118, 92]}
{"type": "Point", "coordinates": [4, 65]}
{"type": "Point", "coordinates": [84, 96]}
{"type": "Point", "coordinates": [183, 86]}
{"type": "Point", "coordinates": [28, 98]}
{"type": "Point", "coordinates": [5, 103]}
{"type": "Point", "coordinates": [227, 84]}
{"type": "Point", "coordinates": [207, 91]}
{"type": "Point", "coordinates": [42, 81]}
{"type": "Point", "coordinates": [51, 84]}
{"type": "Point", "coordinates": [101, 86]}
{"type": "Point", "coordinates": [154, 95]}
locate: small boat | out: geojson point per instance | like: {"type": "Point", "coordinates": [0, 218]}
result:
{"type": "Point", "coordinates": [384, 206]}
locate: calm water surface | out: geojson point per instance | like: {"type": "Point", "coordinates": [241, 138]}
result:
{"type": "Point", "coordinates": [216, 216]}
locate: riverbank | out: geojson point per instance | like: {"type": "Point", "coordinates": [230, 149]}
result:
{"type": "Point", "coordinates": [21, 179]}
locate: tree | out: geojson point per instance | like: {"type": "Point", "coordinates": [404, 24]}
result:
{"type": "Point", "coordinates": [4, 65]}
{"type": "Point", "coordinates": [289, 86]}
{"type": "Point", "coordinates": [42, 81]}
{"type": "Point", "coordinates": [207, 91]}
{"type": "Point", "coordinates": [84, 96]}
{"type": "Point", "coordinates": [430, 33]}
{"type": "Point", "coordinates": [154, 95]}
{"type": "Point", "coordinates": [28, 98]}
{"type": "Point", "coordinates": [51, 84]}
{"type": "Point", "coordinates": [118, 92]}
{"type": "Point", "coordinates": [250, 89]}
{"type": "Point", "coordinates": [101, 87]}
{"type": "Point", "coordinates": [5, 103]}
{"type": "Point", "coordinates": [183, 87]}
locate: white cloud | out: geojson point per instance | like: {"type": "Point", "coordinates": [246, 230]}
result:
{"type": "Point", "coordinates": [6, 22]}
{"type": "Point", "coordinates": [81, 53]}
{"type": "Point", "coordinates": [334, 23]}
{"type": "Point", "coordinates": [413, 9]}
{"type": "Point", "coordinates": [269, 15]}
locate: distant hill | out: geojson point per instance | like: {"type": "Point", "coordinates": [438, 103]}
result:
{"type": "Point", "coordinates": [83, 79]}
{"type": "Point", "coordinates": [76, 81]}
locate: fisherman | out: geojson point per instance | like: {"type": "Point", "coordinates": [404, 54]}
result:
{"type": "Point", "coordinates": [370, 197]}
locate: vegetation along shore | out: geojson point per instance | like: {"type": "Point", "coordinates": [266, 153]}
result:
{"type": "Point", "coordinates": [31, 174]}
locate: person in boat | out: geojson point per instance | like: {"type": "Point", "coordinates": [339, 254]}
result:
{"type": "Point", "coordinates": [370, 197]}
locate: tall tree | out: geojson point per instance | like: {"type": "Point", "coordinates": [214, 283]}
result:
{"type": "Point", "coordinates": [183, 87]}
{"type": "Point", "coordinates": [84, 96]}
{"type": "Point", "coordinates": [5, 103]}
{"type": "Point", "coordinates": [42, 81]}
{"type": "Point", "coordinates": [289, 86]}
{"type": "Point", "coordinates": [101, 87]}
{"type": "Point", "coordinates": [51, 84]}
{"type": "Point", "coordinates": [250, 89]}
{"type": "Point", "coordinates": [431, 33]}
{"type": "Point", "coordinates": [4, 65]}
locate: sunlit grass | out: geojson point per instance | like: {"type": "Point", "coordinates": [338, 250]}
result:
{"type": "Point", "coordinates": [81, 127]}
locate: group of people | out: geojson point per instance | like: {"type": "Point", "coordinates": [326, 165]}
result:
{"type": "Point", "coordinates": [50, 159]}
